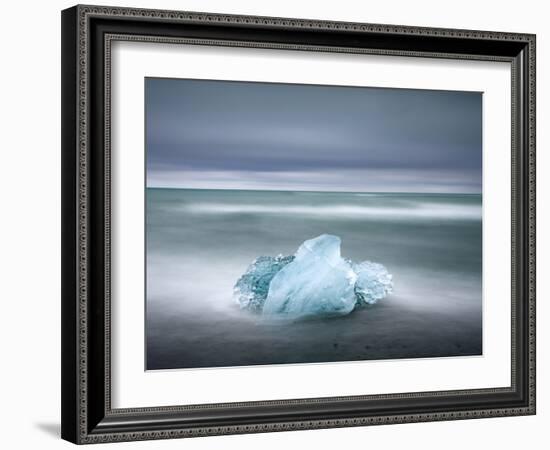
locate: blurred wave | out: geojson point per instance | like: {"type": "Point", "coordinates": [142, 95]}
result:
{"type": "Point", "coordinates": [413, 210]}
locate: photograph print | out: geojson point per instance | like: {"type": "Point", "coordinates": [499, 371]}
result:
{"type": "Point", "coordinates": [295, 223]}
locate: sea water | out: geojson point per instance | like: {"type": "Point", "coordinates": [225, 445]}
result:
{"type": "Point", "coordinates": [199, 242]}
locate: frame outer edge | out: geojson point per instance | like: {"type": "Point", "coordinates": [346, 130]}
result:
{"type": "Point", "coordinates": [297, 23]}
{"type": "Point", "coordinates": [532, 143]}
{"type": "Point", "coordinates": [69, 313]}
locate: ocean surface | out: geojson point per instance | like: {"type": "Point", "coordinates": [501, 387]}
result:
{"type": "Point", "coordinates": [199, 242]}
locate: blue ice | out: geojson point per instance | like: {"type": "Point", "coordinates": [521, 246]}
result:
{"type": "Point", "coordinates": [315, 282]}
{"type": "Point", "coordinates": [373, 283]}
{"type": "Point", "coordinates": [251, 289]}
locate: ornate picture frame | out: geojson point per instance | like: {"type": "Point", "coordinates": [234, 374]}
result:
{"type": "Point", "coordinates": [88, 33]}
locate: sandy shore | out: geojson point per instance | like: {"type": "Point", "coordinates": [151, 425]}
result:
{"type": "Point", "coordinates": [388, 330]}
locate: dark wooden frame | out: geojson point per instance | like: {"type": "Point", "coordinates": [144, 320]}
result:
{"type": "Point", "coordinates": [87, 32]}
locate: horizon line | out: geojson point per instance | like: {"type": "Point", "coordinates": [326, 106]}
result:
{"type": "Point", "coordinates": [314, 191]}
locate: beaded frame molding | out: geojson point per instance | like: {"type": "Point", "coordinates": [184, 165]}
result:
{"type": "Point", "coordinates": [87, 35]}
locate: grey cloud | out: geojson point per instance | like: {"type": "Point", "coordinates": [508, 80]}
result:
{"type": "Point", "coordinates": [283, 130]}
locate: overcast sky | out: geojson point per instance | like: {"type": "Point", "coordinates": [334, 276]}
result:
{"type": "Point", "coordinates": [242, 135]}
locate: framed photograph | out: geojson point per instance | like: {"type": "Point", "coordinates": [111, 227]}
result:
{"type": "Point", "coordinates": [277, 224]}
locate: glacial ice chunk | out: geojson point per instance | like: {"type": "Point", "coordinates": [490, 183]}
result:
{"type": "Point", "coordinates": [318, 282]}
{"type": "Point", "coordinates": [315, 281]}
{"type": "Point", "coordinates": [251, 288]}
{"type": "Point", "coordinates": [373, 283]}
